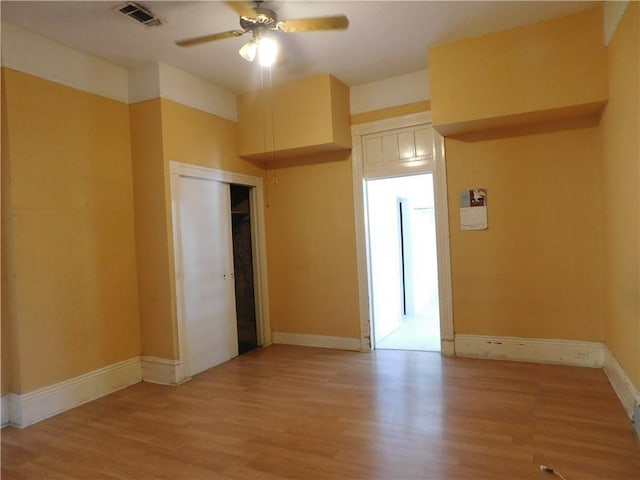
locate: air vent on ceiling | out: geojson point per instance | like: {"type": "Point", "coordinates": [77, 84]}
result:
{"type": "Point", "coordinates": [140, 14]}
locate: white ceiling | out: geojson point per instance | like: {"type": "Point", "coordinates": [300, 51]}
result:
{"type": "Point", "coordinates": [384, 39]}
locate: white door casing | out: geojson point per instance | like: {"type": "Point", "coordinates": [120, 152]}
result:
{"type": "Point", "coordinates": [392, 147]}
{"type": "Point", "coordinates": [203, 259]}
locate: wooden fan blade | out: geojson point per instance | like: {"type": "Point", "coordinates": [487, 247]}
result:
{"type": "Point", "coordinates": [311, 24]}
{"type": "Point", "coordinates": [208, 38]}
{"type": "Point", "coordinates": [244, 9]}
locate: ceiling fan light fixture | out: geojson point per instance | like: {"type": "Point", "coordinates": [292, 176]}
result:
{"type": "Point", "coordinates": [249, 50]}
{"type": "Point", "coordinates": [267, 51]}
{"type": "Point", "coordinates": [262, 46]}
{"type": "Point", "coordinates": [260, 21]}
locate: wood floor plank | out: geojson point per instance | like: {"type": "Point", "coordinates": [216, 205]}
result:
{"type": "Point", "coordinates": [293, 412]}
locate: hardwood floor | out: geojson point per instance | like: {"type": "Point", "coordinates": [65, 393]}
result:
{"type": "Point", "coordinates": [295, 412]}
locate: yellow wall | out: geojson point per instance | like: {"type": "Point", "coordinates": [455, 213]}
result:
{"type": "Point", "coordinates": [10, 365]}
{"type": "Point", "coordinates": [310, 224]}
{"type": "Point", "coordinates": [313, 283]}
{"type": "Point", "coordinates": [74, 301]}
{"type": "Point", "coordinates": [310, 220]}
{"type": "Point", "coordinates": [556, 67]}
{"type": "Point", "coordinates": [153, 234]}
{"type": "Point", "coordinates": [162, 131]}
{"type": "Point", "coordinates": [621, 178]}
{"type": "Point", "coordinates": [196, 137]}
{"type": "Point", "coordinates": [340, 99]}
{"type": "Point", "coordinates": [537, 270]}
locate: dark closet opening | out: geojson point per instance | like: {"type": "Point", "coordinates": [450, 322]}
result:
{"type": "Point", "coordinates": [243, 268]}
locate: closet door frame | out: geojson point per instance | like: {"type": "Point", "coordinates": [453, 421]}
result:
{"type": "Point", "coordinates": [258, 245]}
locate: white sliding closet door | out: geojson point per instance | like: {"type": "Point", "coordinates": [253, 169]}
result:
{"type": "Point", "coordinates": [208, 296]}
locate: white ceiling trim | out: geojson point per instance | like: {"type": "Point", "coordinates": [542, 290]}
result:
{"type": "Point", "coordinates": [38, 56]}
{"type": "Point", "coordinates": [401, 90]}
{"type": "Point", "coordinates": [162, 80]}
{"type": "Point", "coordinates": [144, 83]}
{"type": "Point", "coordinates": [187, 89]}
{"type": "Point", "coordinates": [43, 58]}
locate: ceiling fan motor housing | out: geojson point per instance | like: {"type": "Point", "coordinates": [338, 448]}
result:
{"type": "Point", "coordinates": [265, 19]}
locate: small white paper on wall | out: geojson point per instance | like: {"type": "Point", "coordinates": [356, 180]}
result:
{"type": "Point", "coordinates": [473, 209]}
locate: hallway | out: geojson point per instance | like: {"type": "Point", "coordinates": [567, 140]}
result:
{"type": "Point", "coordinates": [416, 332]}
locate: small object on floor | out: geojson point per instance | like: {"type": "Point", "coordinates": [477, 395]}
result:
{"type": "Point", "coordinates": [550, 470]}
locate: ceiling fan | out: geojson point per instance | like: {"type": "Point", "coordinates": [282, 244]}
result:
{"type": "Point", "coordinates": [259, 21]}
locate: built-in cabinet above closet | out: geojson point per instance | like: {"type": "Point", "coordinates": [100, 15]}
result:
{"type": "Point", "coordinates": [305, 117]}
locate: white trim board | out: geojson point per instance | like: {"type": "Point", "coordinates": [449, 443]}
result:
{"type": "Point", "coordinates": [322, 341]}
{"type": "Point", "coordinates": [537, 350]}
{"type": "Point", "coordinates": [35, 55]}
{"type": "Point", "coordinates": [4, 403]}
{"type": "Point", "coordinates": [38, 56]}
{"type": "Point", "coordinates": [161, 80]}
{"type": "Point", "coordinates": [562, 352]}
{"type": "Point", "coordinates": [163, 371]}
{"type": "Point", "coordinates": [29, 408]}
{"type": "Point", "coordinates": [391, 92]}
{"type": "Point", "coordinates": [447, 347]}
{"type": "Point", "coordinates": [621, 383]}
{"type": "Point", "coordinates": [26, 409]}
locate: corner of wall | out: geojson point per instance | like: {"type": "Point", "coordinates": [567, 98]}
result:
{"type": "Point", "coordinates": [620, 176]}
{"type": "Point", "coordinates": [623, 386]}
{"type": "Point", "coordinates": [613, 12]}
{"type": "Point", "coordinates": [144, 83]}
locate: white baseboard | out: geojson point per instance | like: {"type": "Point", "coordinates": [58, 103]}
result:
{"type": "Point", "coordinates": [164, 371]}
{"type": "Point", "coordinates": [4, 403]}
{"type": "Point", "coordinates": [22, 410]}
{"type": "Point", "coordinates": [28, 408]}
{"type": "Point", "coordinates": [447, 347]}
{"type": "Point", "coordinates": [621, 383]}
{"type": "Point", "coordinates": [302, 339]}
{"type": "Point", "coordinates": [537, 350]}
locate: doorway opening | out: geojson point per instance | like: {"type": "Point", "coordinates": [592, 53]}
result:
{"type": "Point", "coordinates": [403, 263]}
{"type": "Point", "coordinates": [206, 303]}
{"type": "Point", "coordinates": [243, 268]}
